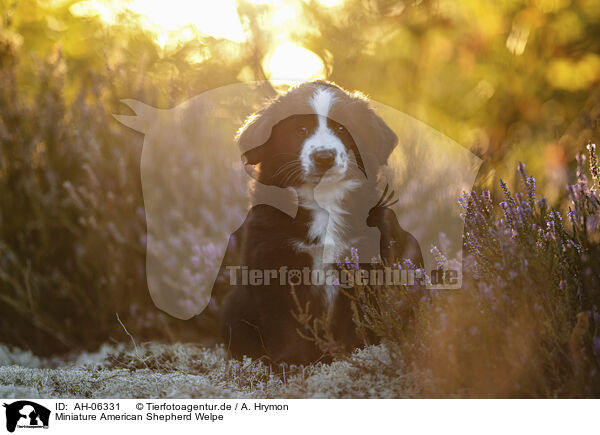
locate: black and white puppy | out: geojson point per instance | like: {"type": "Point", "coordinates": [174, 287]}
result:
{"type": "Point", "coordinates": [328, 145]}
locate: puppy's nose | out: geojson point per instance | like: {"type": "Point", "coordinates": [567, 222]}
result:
{"type": "Point", "coordinates": [323, 159]}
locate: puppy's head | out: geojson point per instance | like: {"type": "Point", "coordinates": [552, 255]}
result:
{"type": "Point", "coordinates": [316, 132]}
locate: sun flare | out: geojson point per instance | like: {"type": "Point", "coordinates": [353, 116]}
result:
{"type": "Point", "coordinates": [178, 21]}
{"type": "Point", "coordinates": [218, 19]}
{"type": "Point", "coordinates": [172, 19]}
{"type": "Point", "coordinates": [291, 62]}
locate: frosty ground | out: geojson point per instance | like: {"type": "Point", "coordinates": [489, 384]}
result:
{"type": "Point", "coordinates": [155, 370]}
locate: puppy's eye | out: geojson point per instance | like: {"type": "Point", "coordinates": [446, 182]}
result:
{"type": "Point", "coordinates": [341, 128]}
{"type": "Point", "coordinates": [302, 130]}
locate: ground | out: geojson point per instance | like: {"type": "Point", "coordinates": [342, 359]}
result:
{"type": "Point", "coordinates": [155, 370]}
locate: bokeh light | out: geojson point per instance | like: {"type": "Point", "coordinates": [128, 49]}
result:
{"type": "Point", "coordinates": [171, 21]}
{"type": "Point", "coordinates": [218, 19]}
{"type": "Point", "coordinates": [291, 62]}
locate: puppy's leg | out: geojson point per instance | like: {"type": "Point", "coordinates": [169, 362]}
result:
{"type": "Point", "coordinates": [240, 328]}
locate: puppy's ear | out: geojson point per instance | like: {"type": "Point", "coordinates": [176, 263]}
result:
{"type": "Point", "coordinates": [255, 155]}
{"type": "Point", "coordinates": [384, 140]}
{"type": "Point", "coordinates": [253, 135]}
{"type": "Point", "coordinates": [370, 132]}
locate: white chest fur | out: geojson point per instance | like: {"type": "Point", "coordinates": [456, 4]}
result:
{"type": "Point", "coordinates": [328, 227]}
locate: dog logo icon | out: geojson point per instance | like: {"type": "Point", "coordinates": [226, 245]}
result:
{"type": "Point", "coordinates": [26, 414]}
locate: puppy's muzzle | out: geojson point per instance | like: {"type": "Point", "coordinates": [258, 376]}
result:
{"type": "Point", "coordinates": [323, 160]}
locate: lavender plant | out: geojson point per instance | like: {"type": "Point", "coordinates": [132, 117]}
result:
{"type": "Point", "coordinates": [547, 266]}
{"type": "Point", "coordinates": [525, 323]}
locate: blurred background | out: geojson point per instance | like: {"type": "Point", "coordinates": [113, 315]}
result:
{"type": "Point", "coordinates": [510, 80]}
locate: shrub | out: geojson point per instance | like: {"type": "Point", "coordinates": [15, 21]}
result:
{"type": "Point", "coordinates": [525, 323]}
{"type": "Point", "coordinates": [72, 223]}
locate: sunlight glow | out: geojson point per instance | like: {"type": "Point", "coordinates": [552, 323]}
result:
{"type": "Point", "coordinates": [171, 20]}
{"type": "Point", "coordinates": [106, 10]}
{"type": "Point", "coordinates": [289, 61]}
{"type": "Point", "coordinates": [214, 18]}
{"type": "Point", "coordinates": [330, 3]}
{"type": "Point", "coordinates": [175, 21]}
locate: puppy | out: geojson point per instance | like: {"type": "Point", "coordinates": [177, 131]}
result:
{"type": "Point", "coordinates": [327, 145]}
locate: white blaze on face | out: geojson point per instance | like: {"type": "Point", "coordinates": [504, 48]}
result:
{"type": "Point", "coordinates": [325, 199]}
{"type": "Point", "coordinates": [323, 139]}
